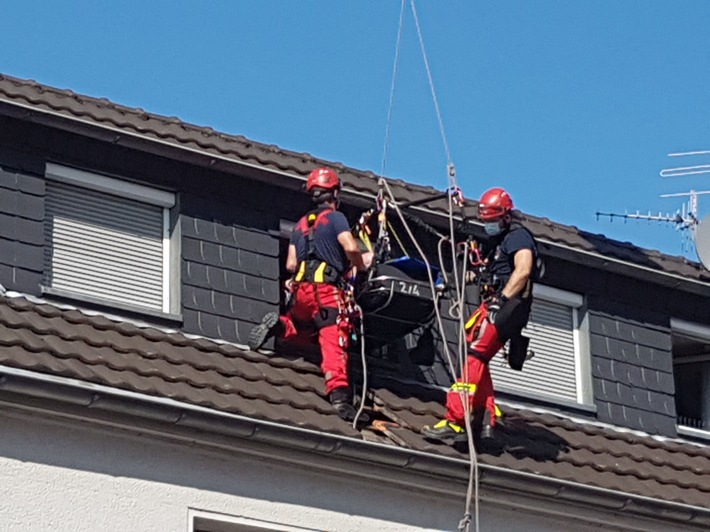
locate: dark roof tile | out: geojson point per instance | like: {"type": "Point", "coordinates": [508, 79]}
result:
{"type": "Point", "coordinates": [173, 130]}
{"type": "Point", "coordinates": [94, 349]}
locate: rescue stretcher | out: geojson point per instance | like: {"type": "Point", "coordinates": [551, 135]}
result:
{"type": "Point", "coordinates": [396, 298]}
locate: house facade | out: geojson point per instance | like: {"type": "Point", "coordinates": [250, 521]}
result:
{"type": "Point", "coordinates": [137, 252]}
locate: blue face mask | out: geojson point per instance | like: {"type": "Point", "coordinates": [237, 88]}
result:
{"type": "Point", "coordinates": [492, 228]}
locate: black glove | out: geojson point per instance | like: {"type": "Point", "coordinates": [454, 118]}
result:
{"type": "Point", "coordinates": [494, 306]}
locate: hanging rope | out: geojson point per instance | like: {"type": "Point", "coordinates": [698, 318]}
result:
{"type": "Point", "coordinates": [458, 301]}
{"type": "Point", "coordinates": [431, 86]}
{"type": "Point", "coordinates": [394, 82]}
{"type": "Point", "coordinates": [364, 369]}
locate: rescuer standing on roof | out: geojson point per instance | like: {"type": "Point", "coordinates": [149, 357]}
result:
{"type": "Point", "coordinates": [321, 251]}
{"type": "Point", "coordinates": [506, 298]}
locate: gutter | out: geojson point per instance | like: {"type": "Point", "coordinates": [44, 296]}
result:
{"type": "Point", "coordinates": [135, 139]}
{"type": "Point", "coordinates": [65, 397]}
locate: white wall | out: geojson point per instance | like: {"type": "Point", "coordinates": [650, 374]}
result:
{"type": "Point", "coordinates": [72, 476]}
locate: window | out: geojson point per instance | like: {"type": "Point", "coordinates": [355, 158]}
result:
{"type": "Point", "coordinates": [109, 241]}
{"type": "Point", "coordinates": [201, 521]}
{"type": "Point", "coordinates": [691, 372]}
{"type": "Point", "coordinates": [560, 368]}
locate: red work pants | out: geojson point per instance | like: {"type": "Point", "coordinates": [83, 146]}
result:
{"type": "Point", "coordinates": [305, 314]}
{"type": "Point", "coordinates": [483, 344]}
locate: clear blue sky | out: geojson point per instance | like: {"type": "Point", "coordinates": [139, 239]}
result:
{"type": "Point", "coordinates": [571, 105]}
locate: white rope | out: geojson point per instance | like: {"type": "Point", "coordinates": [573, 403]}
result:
{"type": "Point", "coordinates": [432, 284]}
{"type": "Point", "coordinates": [472, 488]}
{"type": "Point", "coordinates": [431, 84]}
{"type": "Point", "coordinates": [394, 82]}
{"type": "Point", "coordinates": [364, 371]}
{"type": "Point", "coordinates": [458, 302]}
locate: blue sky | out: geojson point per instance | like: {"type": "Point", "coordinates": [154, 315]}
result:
{"type": "Point", "coordinates": [572, 106]}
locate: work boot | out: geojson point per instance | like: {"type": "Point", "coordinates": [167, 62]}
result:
{"type": "Point", "coordinates": [270, 325]}
{"type": "Point", "coordinates": [445, 431]}
{"type": "Point", "coordinates": [488, 425]}
{"type": "Point", "coordinates": [341, 400]}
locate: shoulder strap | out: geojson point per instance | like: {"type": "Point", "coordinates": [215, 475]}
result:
{"type": "Point", "coordinates": [312, 221]}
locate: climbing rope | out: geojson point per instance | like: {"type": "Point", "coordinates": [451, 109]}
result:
{"type": "Point", "coordinates": [456, 310]}
{"type": "Point", "coordinates": [431, 85]}
{"type": "Point", "coordinates": [364, 369]}
{"type": "Point", "coordinates": [392, 88]}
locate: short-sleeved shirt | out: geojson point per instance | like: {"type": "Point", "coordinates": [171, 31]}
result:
{"type": "Point", "coordinates": [327, 227]}
{"type": "Point", "coordinates": [503, 262]}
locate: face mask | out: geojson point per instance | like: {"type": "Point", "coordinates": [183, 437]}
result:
{"type": "Point", "coordinates": [492, 228]}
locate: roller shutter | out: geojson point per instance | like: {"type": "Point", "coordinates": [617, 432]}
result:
{"type": "Point", "coordinates": [104, 246]}
{"type": "Point", "coordinates": [552, 371]}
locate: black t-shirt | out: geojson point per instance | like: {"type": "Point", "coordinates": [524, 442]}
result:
{"type": "Point", "coordinates": [327, 227]}
{"type": "Point", "coordinates": [503, 262]}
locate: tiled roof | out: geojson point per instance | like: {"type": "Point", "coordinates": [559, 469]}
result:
{"type": "Point", "coordinates": [173, 131]}
{"type": "Point", "coordinates": [44, 339]}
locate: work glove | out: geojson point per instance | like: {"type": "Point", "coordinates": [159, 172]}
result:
{"type": "Point", "coordinates": [494, 306]}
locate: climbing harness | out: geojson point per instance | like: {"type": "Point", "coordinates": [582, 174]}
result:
{"type": "Point", "coordinates": [313, 269]}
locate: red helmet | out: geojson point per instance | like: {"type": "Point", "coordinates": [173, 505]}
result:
{"type": "Point", "coordinates": [324, 178]}
{"type": "Point", "coordinates": [494, 204]}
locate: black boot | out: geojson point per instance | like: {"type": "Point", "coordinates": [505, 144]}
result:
{"type": "Point", "coordinates": [445, 431]}
{"type": "Point", "coordinates": [270, 326]}
{"type": "Point", "coordinates": [341, 399]}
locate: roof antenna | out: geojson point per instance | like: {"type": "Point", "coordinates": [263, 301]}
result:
{"type": "Point", "coordinates": [679, 171]}
{"type": "Point", "coordinates": [687, 218]}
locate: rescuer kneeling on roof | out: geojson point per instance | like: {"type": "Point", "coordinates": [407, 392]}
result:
{"type": "Point", "coordinates": [321, 252]}
{"type": "Point", "coordinates": [506, 297]}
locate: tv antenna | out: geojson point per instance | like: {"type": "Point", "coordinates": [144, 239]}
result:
{"type": "Point", "coordinates": [680, 171]}
{"type": "Point", "coordinates": [687, 218]}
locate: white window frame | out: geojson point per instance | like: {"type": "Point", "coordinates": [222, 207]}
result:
{"type": "Point", "coordinates": [580, 336]}
{"type": "Point", "coordinates": [133, 191]}
{"type": "Point", "coordinates": [580, 344]}
{"type": "Point", "coordinates": [227, 520]}
{"type": "Point", "coordinates": [700, 332]}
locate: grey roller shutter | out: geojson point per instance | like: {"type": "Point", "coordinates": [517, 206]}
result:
{"type": "Point", "coordinates": [552, 371]}
{"type": "Point", "coordinates": [104, 246]}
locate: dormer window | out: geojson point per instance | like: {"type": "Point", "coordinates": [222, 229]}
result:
{"type": "Point", "coordinates": [691, 374]}
{"type": "Point", "coordinates": [560, 368]}
{"type": "Point", "coordinates": [110, 242]}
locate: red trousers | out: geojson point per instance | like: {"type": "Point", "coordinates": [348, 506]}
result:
{"type": "Point", "coordinates": [483, 344]}
{"type": "Point", "coordinates": [305, 316]}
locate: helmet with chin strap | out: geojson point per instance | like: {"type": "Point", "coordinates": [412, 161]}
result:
{"type": "Point", "coordinates": [494, 205]}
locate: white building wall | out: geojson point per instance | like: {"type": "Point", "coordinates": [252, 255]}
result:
{"type": "Point", "coordinates": [75, 476]}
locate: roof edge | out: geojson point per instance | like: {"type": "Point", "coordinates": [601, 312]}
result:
{"type": "Point", "coordinates": [168, 416]}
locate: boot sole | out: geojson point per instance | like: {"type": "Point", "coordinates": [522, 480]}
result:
{"type": "Point", "coordinates": [262, 332]}
{"type": "Point", "coordinates": [458, 438]}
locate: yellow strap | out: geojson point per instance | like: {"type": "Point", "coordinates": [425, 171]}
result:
{"type": "Point", "coordinates": [318, 276]}
{"type": "Point", "coordinates": [301, 271]}
{"type": "Point", "coordinates": [365, 240]}
{"type": "Point", "coordinates": [396, 237]}
{"type": "Point", "coordinates": [463, 386]}
{"type": "Point", "coordinates": [445, 422]}
{"type": "Point", "coordinates": [499, 414]}
{"type": "Point", "coordinates": [473, 319]}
